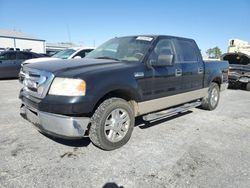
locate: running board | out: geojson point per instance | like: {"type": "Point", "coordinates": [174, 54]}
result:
{"type": "Point", "coordinates": [171, 112]}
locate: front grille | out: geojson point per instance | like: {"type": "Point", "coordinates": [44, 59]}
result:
{"type": "Point", "coordinates": [36, 82]}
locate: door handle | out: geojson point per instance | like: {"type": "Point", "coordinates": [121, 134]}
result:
{"type": "Point", "coordinates": [178, 72]}
{"type": "Point", "coordinates": [200, 70]}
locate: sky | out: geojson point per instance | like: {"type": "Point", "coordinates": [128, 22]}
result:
{"type": "Point", "coordinates": [211, 23]}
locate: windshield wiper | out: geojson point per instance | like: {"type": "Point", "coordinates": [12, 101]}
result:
{"type": "Point", "coordinates": [105, 57]}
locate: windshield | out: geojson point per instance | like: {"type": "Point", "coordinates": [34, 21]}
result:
{"type": "Point", "coordinates": [123, 49]}
{"type": "Point", "coordinates": [64, 54]}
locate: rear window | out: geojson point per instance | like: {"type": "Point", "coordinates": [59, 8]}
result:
{"type": "Point", "coordinates": [187, 50]}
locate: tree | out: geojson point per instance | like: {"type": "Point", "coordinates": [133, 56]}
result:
{"type": "Point", "coordinates": [214, 52]}
{"type": "Point", "coordinates": [209, 53]}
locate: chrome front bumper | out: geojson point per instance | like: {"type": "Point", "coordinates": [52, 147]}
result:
{"type": "Point", "coordinates": [55, 124]}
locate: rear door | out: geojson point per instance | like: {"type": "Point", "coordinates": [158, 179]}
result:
{"type": "Point", "coordinates": [7, 62]}
{"type": "Point", "coordinates": [191, 63]}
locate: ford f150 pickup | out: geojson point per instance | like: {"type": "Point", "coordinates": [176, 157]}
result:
{"type": "Point", "coordinates": [100, 96]}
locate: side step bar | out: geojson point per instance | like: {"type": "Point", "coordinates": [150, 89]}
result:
{"type": "Point", "coordinates": [171, 112]}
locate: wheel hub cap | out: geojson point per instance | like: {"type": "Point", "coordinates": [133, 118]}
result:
{"type": "Point", "coordinates": [214, 97]}
{"type": "Point", "coordinates": [116, 125]}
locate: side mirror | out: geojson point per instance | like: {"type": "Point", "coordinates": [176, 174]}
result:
{"type": "Point", "coordinates": [164, 60]}
{"type": "Point", "coordinates": [77, 57]}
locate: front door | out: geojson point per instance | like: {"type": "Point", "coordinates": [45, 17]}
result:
{"type": "Point", "coordinates": [166, 80]}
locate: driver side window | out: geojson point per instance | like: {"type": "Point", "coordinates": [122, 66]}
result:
{"type": "Point", "coordinates": [163, 47]}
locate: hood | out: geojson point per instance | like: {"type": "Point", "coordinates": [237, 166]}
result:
{"type": "Point", "coordinates": [237, 58]}
{"type": "Point", "coordinates": [40, 59]}
{"type": "Point", "coordinates": [74, 67]}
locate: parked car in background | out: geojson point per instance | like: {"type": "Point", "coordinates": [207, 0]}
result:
{"type": "Point", "coordinates": [239, 70]}
{"type": "Point", "coordinates": [10, 62]}
{"type": "Point", "coordinates": [69, 53]}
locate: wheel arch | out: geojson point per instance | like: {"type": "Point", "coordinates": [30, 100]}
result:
{"type": "Point", "coordinates": [217, 80]}
{"type": "Point", "coordinates": [124, 93]}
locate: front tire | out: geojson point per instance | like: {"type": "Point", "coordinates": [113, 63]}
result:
{"type": "Point", "coordinates": [112, 124]}
{"type": "Point", "coordinates": [210, 102]}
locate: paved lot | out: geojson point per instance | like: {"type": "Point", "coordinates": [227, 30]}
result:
{"type": "Point", "coordinates": [196, 149]}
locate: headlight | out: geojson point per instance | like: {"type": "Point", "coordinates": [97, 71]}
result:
{"type": "Point", "coordinates": [68, 87]}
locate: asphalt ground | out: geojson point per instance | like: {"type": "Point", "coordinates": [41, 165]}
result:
{"type": "Point", "coordinates": [195, 149]}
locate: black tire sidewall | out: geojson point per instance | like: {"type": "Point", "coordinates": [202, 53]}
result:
{"type": "Point", "coordinates": [105, 143]}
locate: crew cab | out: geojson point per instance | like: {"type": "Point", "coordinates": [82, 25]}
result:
{"type": "Point", "coordinates": [100, 96]}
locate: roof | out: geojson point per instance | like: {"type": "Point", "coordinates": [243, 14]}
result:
{"type": "Point", "coordinates": [60, 44]}
{"type": "Point", "coordinates": [155, 36]}
{"type": "Point", "coordinates": [66, 45]}
{"type": "Point", "coordinates": [17, 34]}
{"type": "Point", "coordinates": [82, 48]}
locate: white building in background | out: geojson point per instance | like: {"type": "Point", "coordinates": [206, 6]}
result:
{"type": "Point", "coordinates": [236, 45]}
{"type": "Point", "coordinates": [21, 41]}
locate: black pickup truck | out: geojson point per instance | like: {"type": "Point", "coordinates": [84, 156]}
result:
{"type": "Point", "coordinates": [100, 96]}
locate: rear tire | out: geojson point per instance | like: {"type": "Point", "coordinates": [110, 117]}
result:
{"type": "Point", "coordinates": [112, 124]}
{"type": "Point", "coordinates": [210, 102]}
{"type": "Point", "coordinates": [248, 86]}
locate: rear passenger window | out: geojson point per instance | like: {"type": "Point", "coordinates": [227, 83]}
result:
{"type": "Point", "coordinates": [187, 50]}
